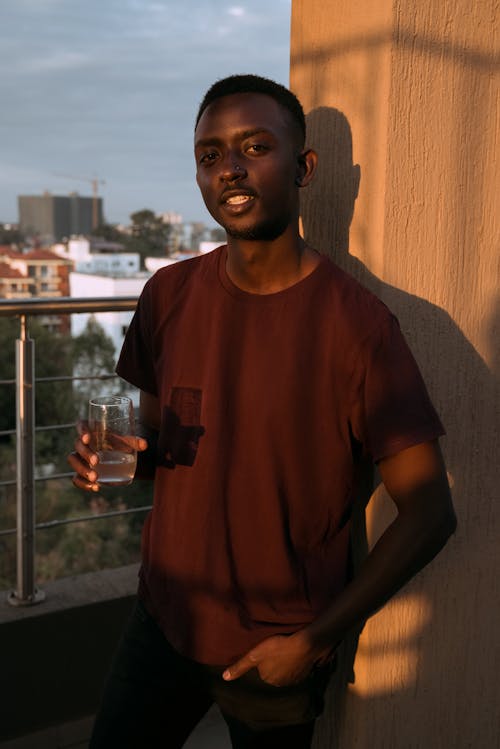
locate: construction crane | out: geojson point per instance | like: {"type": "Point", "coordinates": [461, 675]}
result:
{"type": "Point", "coordinates": [95, 182]}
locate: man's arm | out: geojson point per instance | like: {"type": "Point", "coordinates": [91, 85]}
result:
{"type": "Point", "coordinates": [417, 482]}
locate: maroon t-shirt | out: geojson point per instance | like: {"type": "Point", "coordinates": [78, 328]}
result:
{"type": "Point", "coordinates": [265, 402]}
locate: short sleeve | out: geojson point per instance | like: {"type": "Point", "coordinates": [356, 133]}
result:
{"type": "Point", "coordinates": [136, 360]}
{"type": "Point", "coordinates": [392, 409]}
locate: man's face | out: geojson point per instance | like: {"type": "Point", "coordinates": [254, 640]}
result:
{"type": "Point", "coordinates": [247, 160]}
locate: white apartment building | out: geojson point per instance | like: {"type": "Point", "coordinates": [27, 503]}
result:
{"type": "Point", "coordinates": [109, 263]}
{"type": "Point", "coordinates": [95, 285]}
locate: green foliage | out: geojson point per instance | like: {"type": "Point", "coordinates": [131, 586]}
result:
{"type": "Point", "coordinates": [52, 359]}
{"type": "Point", "coordinates": [88, 546]}
{"type": "Point", "coordinates": [56, 355]}
{"type": "Point", "coordinates": [143, 220]}
{"type": "Point", "coordinates": [109, 233]}
{"type": "Point", "coordinates": [149, 234]}
{"type": "Point", "coordinates": [9, 330]}
{"type": "Point", "coordinates": [93, 353]}
{"type": "Point", "coordinates": [77, 547]}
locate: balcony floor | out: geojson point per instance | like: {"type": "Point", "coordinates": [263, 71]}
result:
{"type": "Point", "coordinates": [57, 665]}
{"type": "Point", "coordinates": [211, 733]}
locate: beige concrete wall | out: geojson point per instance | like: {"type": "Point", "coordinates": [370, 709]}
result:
{"type": "Point", "coordinates": [414, 88]}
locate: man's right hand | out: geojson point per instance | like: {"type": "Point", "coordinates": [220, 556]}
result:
{"type": "Point", "coordinates": [85, 462]}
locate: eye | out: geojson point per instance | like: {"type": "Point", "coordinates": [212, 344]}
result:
{"type": "Point", "coordinates": [208, 157]}
{"type": "Point", "coordinates": [257, 148]}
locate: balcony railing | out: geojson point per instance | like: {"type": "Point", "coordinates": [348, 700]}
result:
{"type": "Point", "coordinates": [26, 592]}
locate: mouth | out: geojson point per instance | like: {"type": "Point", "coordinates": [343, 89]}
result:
{"type": "Point", "coordinates": [238, 199]}
{"type": "Point", "coordinates": [237, 202]}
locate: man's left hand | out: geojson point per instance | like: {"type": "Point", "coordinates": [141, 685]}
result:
{"type": "Point", "coordinates": [281, 660]}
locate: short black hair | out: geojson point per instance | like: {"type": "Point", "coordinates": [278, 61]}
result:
{"type": "Point", "coordinates": [255, 84]}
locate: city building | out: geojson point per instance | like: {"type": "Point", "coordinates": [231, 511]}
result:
{"type": "Point", "coordinates": [107, 272]}
{"type": "Point", "coordinates": [46, 272]}
{"type": "Point", "coordinates": [13, 284]}
{"type": "Point", "coordinates": [35, 273]}
{"type": "Point", "coordinates": [53, 217]}
{"type": "Point", "coordinates": [99, 257]}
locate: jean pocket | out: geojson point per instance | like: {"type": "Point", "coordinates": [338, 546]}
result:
{"type": "Point", "coordinates": [261, 705]}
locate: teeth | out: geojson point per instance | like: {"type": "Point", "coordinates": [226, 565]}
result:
{"type": "Point", "coordinates": [238, 199]}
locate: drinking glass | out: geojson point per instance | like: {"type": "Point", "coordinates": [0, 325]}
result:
{"type": "Point", "coordinates": [111, 424]}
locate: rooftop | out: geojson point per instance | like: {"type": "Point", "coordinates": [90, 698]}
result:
{"type": "Point", "coordinates": [6, 271]}
{"type": "Point", "coordinates": [40, 254]}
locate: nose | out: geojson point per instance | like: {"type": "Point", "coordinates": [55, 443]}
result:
{"type": "Point", "coordinates": [231, 170]}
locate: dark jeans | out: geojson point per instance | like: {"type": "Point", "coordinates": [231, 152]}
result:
{"type": "Point", "coordinates": [155, 697]}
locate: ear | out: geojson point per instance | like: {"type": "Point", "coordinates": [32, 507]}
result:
{"type": "Point", "coordinates": [306, 166]}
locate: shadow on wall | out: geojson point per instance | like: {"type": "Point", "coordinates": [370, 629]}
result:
{"type": "Point", "coordinates": [467, 396]}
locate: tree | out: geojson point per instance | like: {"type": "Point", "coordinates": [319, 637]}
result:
{"type": "Point", "coordinates": [150, 234]}
{"type": "Point", "coordinates": [56, 355]}
{"type": "Point", "coordinates": [52, 358]}
{"type": "Point", "coordinates": [109, 233]}
{"type": "Point", "coordinates": [9, 331]}
{"type": "Point", "coordinates": [93, 353]}
{"type": "Point", "coordinates": [198, 232]}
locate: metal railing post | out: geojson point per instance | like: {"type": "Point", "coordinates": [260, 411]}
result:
{"type": "Point", "coordinates": [26, 593]}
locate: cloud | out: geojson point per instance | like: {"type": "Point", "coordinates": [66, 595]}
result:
{"type": "Point", "coordinates": [237, 11]}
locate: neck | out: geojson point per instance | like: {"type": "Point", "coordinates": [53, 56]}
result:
{"type": "Point", "coordinates": [267, 267]}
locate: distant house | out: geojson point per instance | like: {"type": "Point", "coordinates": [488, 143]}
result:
{"type": "Point", "coordinates": [48, 272]}
{"type": "Point", "coordinates": [13, 284]}
{"type": "Point", "coordinates": [35, 273]}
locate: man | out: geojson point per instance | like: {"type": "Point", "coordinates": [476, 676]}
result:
{"type": "Point", "coordinates": [266, 375]}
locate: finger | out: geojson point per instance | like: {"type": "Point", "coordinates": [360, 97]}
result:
{"type": "Point", "coordinates": [86, 485]}
{"type": "Point", "coordinates": [82, 469]}
{"type": "Point", "coordinates": [86, 452]}
{"type": "Point", "coordinates": [241, 667]}
{"type": "Point", "coordinates": [113, 440]}
{"type": "Point", "coordinates": [127, 440]}
{"type": "Point", "coordinates": [141, 444]}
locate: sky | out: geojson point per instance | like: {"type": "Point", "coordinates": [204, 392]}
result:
{"type": "Point", "coordinates": [110, 89]}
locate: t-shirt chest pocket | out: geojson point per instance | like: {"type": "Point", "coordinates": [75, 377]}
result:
{"type": "Point", "coordinates": [181, 427]}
